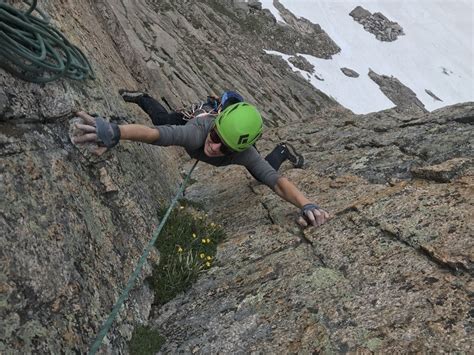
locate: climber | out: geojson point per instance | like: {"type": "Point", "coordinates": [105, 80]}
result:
{"type": "Point", "coordinates": [213, 105]}
{"type": "Point", "coordinates": [225, 139]}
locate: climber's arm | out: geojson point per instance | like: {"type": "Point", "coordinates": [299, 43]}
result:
{"type": "Point", "coordinates": [139, 133]}
{"type": "Point", "coordinates": [310, 212]}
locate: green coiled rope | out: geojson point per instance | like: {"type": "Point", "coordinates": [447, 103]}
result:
{"type": "Point", "coordinates": [33, 50]}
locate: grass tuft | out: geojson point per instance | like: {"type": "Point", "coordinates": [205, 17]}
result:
{"type": "Point", "coordinates": [187, 246]}
{"type": "Point", "coordinates": [145, 341]}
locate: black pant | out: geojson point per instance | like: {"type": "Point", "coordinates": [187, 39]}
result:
{"type": "Point", "coordinates": [159, 116]}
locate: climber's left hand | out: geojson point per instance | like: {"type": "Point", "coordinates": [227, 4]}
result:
{"type": "Point", "coordinates": [97, 130]}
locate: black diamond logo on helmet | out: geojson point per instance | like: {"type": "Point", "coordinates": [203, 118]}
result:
{"type": "Point", "coordinates": [243, 139]}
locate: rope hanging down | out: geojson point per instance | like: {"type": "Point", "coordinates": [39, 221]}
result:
{"type": "Point", "coordinates": [131, 281]}
{"type": "Point", "coordinates": [34, 51]}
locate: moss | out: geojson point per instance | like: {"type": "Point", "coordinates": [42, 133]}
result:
{"type": "Point", "coordinates": [374, 343]}
{"type": "Point", "coordinates": [145, 340]}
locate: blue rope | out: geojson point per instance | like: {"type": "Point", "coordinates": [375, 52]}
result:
{"type": "Point", "coordinates": [131, 281]}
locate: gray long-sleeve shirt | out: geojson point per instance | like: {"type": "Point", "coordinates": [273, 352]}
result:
{"type": "Point", "coordinates": [192, 136]}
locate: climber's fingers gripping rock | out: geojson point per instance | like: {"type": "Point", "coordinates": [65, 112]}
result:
{"type": "Point", "coordinates": [97, 130]}
{"type": "Point", "coordinates": [312, 214]}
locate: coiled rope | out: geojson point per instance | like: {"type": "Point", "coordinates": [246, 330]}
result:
{"type": "Point", "coordinates": [34, 51]}
{"type": "Point", "coordinates": [131, 281]}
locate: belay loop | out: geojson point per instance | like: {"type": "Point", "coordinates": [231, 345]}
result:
{"type": "Point", "coordinates": [32, 50]}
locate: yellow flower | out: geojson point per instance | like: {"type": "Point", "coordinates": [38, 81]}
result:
{"type": "Point", "coordinates": [208, 240]}
{"type": "Point", "coordinates": [180, 250]}
{"type": "Point", "coordinates": [194, 235]}
{"type": "Point", "coordinates": [209, 258]}
{"type": "Point", "coordinates": [208, 264]}
{"type": "Point", "coordinates": [202, 255]}
{"type": "Point", "coordinates": [203, 241]}
{"type": "Point", "coordinates": [213, 224]}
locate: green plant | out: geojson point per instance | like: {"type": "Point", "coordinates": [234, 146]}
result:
{"type": "Point", "coordinates": [190, 203]}
{"type": "Point", "coordinates": [187, 247]}
{"type": "Point", "coordinates": [145, 341]}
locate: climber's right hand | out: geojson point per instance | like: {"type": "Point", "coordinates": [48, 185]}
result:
{"type": "Point", "coordinates": [312, 215]}
{"type": "Point", "coordinates": [97, 130]}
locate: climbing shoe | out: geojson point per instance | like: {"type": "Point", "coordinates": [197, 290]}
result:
{"type": "Point", "coordinates": [290, 152]}
{"type": "Point", "coordinates": [131, 96]}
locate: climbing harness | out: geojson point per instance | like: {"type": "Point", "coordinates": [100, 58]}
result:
{"type": "Point", "coordinates": [211, 107]}
{"type": "Point", "coordinates": [33, 50]}
{"type": "Point", "coordinates": [131, 281]}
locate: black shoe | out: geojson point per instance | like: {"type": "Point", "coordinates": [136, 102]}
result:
{"type": "Point", "coordinates": [296, 159]}
{"type": "Point", "coordinates": [131, 96]}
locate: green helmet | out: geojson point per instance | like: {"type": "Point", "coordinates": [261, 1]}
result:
{"type": "Point", "coordinates": [239, 126]}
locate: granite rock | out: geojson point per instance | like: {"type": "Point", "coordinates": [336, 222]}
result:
{"type": "Point", "coordinates": [350, 73]}
{"type": "Point", "coordinates": [378, 24]}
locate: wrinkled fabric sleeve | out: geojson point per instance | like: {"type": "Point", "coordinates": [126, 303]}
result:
{"type": "Point", "coordinates": [259, 167]}
{"type": "Point", "coordinates": [190, 136]}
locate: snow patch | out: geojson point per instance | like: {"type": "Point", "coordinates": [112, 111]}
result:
{"type": "Point", "coordinates": [437, 52]}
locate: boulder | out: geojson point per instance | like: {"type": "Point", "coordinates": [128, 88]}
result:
{"type": "Point", "coordinates": [350, 73]}
{"type": "Point", "coordinates": [444, 172]}
{"type": "Point", "coordinates": [360, 13]}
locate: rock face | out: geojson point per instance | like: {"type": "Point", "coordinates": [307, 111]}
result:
{"type": "Point", "coordinates": [392, 271]}
{"type": "Point", "coordinates": [376, 23]}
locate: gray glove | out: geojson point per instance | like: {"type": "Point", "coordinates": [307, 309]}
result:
{"type": "Point", "coordinates": [312, 214]}
{"type": "Point", "coordinates": [308, 208]}
{"type": "Point", "coordinates": [108, 133]}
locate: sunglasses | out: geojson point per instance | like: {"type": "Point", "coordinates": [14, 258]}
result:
{"type": "Point", "coordinates": [216, 139]}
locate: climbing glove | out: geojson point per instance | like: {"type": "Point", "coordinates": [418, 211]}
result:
{"type": "Point", "coordinates": [108, 133]}
{"type": "Point", "coordinates": [93, 129]}
{"type": "Point", "coordinates": [312, 214]}
{"type": "Point", "coordinates": [309, 207]}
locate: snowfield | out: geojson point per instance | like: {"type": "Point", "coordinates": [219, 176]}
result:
{"type": "Point", "coordinates": [436, 53]}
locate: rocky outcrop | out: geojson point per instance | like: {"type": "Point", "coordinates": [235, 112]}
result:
{"type": "Point", "coordinates": [429, 92]}
{"type": "Point", "coordinates": [398, 93]}
{"type": "Point", "coordinates": [300, 36]}
{"type": "Point", "coordinates": [377, 24]}
{"type": "Point", "coordinates": [302, 63]}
